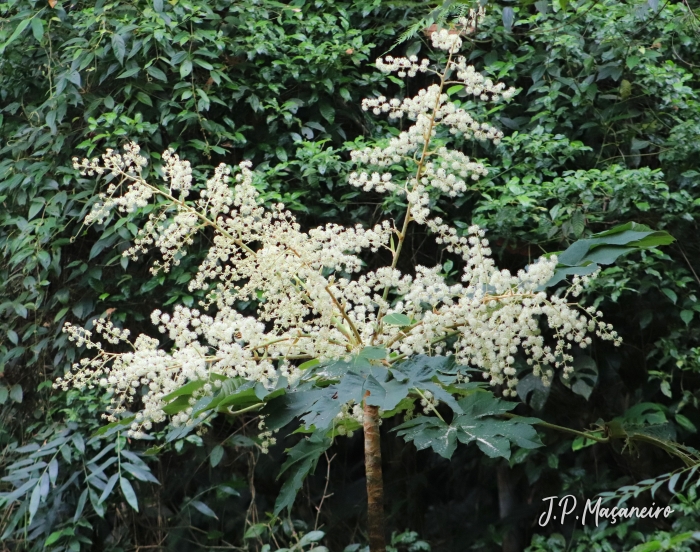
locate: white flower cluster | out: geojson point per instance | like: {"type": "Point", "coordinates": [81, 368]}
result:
{"type": "Point", "coordinates": [178, 172]}
{"type": "Point", "coordinates": [429, 403]}
{"type": "Point", "coordinates": [132, 163]}
{"type": "Point", "coordinates": [435, 172]}
{"type": "Point", "coordinates": [476, 84]}
{"type": "Point", "coordinates": [402, 66]}
{"type": "Point", "coordinates": [169, 234]}
{"type": "Point", "coordinates": [315, 297]}
{"type": "Point", "coordinates": [446, 40]}
{"type": "Point", "coordinates": [449, 40]}
{"type": "Point", "coordinates": [111, 333]}
{"type": "Point", "coordinates": [266, 436]}
{"type": "Point", "coordinates": [443, 175]}
{"type": "Point", "coordinates": [350, 411]}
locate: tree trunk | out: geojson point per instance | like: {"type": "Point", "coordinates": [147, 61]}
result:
{"type": "Point", "coordinates": [506, 503]}
{"type": "Point", "coordinates": [375, 484]}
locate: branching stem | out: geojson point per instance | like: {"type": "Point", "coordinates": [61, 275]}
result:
{"type": "Point", "coordinates": [407, 218]}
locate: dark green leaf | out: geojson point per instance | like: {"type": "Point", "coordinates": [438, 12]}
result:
{"type": "Point", "coordinates": [129, 493]}
{"type": "Point", "coordinates": [97, 506]}
{"type": "Point", "coordinates": [119, 47]}
{"type": "Point", "coordinates": [34, 501]}
{"type": "Point", "coordinates": [373, 353]}
{"type": "Point", "coordinates": [302, 460]}
{"type": "Point", "coordinates": [114, 426]}
{"type": "Point", "coordinates": [157, 73]}
{"type": "Point", "coordinates": [203, 508]}
{"type": "Point", "coordinates": [18, 31]}
{"type": "Point", "coordinates": [144, 99]}
{"type": "Point", "coordinates": [53, 470]}
{"type": "Point", "coordinates": [37, 28]}
{"type": "Point", "coordinates": [81, 505]}
{"type": "Point", "coordinates": [20, 309]}
{"type": "Point", "coordinates": [584, 377]}
{"type": "Point", "coordinates": [583, 256]}
{"type": "Point", "coordinates": [532, 391]}
{"type": "Point", "coordinates": [79, 442]}
{"type": "Point", "coordinates": [670, 294]}
{"type": "Point", "coordinates": [492, 435]}
{"type": "Point", "coordinates": [685, 423]}
{"type": "Point", "coordinates": [312, 536]}
{"type": "Point", "coordinates": [216, 455]}
{"type": "Point", "coordinates": [185, 68]}
{"type": "Point", "coordinates": [178, 405]}
{"type": "Point", "coordinates": [111, 482]}
{"type": "Point", "coordinates": [508, 16]}
{"type": "Point", "coordinates": [413, 48]}
{"type": "Point", "coordinates": [483, 403]}
{"type": "Point", "coordinates": [255, 531]}
{"type": "Point", "coordinates": [606, 255]}
{"type": "Point", "coordinates": [16, 393]}
{"type": "Point", "coordinates": [142, 473]}
{"type": "Point", "coordinates": [672, 482]}
{"type": "Point", "coordinates": [129, 73]}
{"type": "Point", "coordinates": [204, 64]}
{"type": "Point", "coordinates": [328, 112]}
{"type": "Point", "coordinates": [186, 389]}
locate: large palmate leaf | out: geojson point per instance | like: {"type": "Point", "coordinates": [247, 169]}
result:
{"type": "Point", "coordinates": [478, 423]}
{"type": "Point", "coordinates": [302, 459]}
{"type": "Point", "coordinates": [533, 391]}
{"type": "Point", "coordinates": [585, 256]}
{"type": "Point", "coordinates": [426, 374]}
{"type": "Point", "coordinates": [584, 377]}
{"type": "Point", "coordinates": [429, 431]}
{"type": "Point", "coordinates": [359, 380]}
{"type": "Point", "coordinates": [326, 388]}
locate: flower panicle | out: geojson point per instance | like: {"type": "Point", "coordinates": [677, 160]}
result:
{"type": "Point", "coordinates": [313, 294]}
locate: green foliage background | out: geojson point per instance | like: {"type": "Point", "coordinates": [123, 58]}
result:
{"type": "Point", "coordinates": [604, 131]}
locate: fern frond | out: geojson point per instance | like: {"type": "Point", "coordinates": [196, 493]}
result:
{"type": "Point", "coordinates": [449, 10]}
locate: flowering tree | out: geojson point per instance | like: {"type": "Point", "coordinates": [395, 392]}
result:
{"type": "Point", "coordinates": [331, 341]}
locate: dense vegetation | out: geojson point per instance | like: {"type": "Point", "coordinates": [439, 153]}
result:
{"type": "Point", "coordinates": [603, 131]}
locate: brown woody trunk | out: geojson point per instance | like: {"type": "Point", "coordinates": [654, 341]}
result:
{"type": "Point", "coordinates": [506, 503]}
{"type": "Point", "coordinates": [375, 485]}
